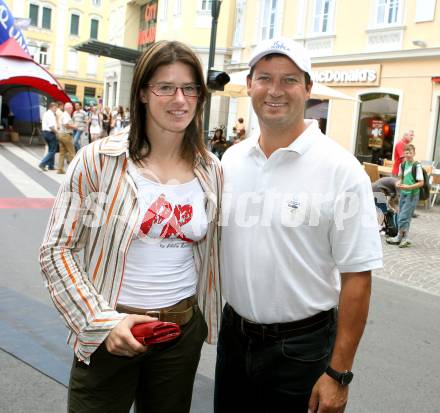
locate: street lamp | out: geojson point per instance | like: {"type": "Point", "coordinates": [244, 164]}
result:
{"type": "Point", "coordinates": [215, 11]}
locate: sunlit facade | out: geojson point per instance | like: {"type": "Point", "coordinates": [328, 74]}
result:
{"type": "Point", "coordinates": [385, 53]}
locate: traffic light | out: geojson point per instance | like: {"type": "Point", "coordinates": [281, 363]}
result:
{"type": "Point", "coordinates": [217, 79]}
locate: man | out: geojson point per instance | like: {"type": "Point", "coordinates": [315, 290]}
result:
{"type": "Point", "coordinates": [410, 181]}
{"type": "Point", "coordinates": [407, 138]}
{"type": "Point", "coordinates": [80, 120]}
{"type": "Point", "coordinates": [49, 127]}
{"type": "Point", "coordinates": [65, 138]}
{"type": "Point", "coordinates": [299, 239]}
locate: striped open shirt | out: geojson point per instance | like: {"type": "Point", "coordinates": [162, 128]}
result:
{"type": "Point", "coordinates": [88, 235]}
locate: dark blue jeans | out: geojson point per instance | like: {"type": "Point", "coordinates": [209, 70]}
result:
{"type": "Point", "coordinates": [267, 375]}
{"type": "Point", "coordinates": [49, 159]}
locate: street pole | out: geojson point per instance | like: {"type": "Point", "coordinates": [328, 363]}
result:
{"type": "Point", "coordinates": [215, 11]}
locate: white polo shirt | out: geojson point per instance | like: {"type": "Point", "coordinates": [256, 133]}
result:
{"type": "Point", "coordinates": [291, 224]}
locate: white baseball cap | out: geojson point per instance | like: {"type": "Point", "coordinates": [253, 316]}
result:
{"type": "Point", "coordinates": [293, 50]}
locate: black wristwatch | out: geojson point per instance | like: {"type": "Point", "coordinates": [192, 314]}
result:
{"type": "Point", "coordinates": [343, 378]}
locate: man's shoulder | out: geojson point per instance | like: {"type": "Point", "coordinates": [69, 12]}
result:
{"type": "Point", "coordinates": [237, 151]}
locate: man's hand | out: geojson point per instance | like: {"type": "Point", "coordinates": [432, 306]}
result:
{"type": "Point", "coordinates": [328, 396]}
{"type": "Point", "coordinates": [121, 342]}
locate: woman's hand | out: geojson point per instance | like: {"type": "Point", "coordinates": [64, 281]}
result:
{"type": "Point", "coordinates": [121, 342]}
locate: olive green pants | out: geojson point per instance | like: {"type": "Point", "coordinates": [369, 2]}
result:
{"type": "Point", "coordinates": [158, 381]}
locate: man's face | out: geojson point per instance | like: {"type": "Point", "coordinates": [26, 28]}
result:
{"type": "Point", "coordinates": [409, 155]}
{"type": "Point", "coordinates": [68, 108]}
{"type": "Point", "coordinates": [278, 92]}
{"type": "Point", "coordinates": [409, 136]}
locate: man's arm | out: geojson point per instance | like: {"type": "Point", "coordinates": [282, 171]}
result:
{"type": "Point", "coordinates": [327, 394]}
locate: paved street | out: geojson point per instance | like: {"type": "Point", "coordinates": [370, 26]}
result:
{"type": "Point", "coordinates": [396, 368]}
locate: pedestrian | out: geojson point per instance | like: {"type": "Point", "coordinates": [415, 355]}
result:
{"type": "Point", "coordinates": [409, 186]}
{"type": "Point", "coordinates": [106, 121]}
{"type": "Point", "coordinates": [219, 143]}
{"type": "Point", "coordinates": [299, 241]}
{"type": "Point", "coordinates": [65, 138]}
{"type": "Point", "coordinates": [95, 124]}
{"type": "Point", "coordinates": [386, 198]}
{"type": "Point", "coordinates": [241, 130]}
{"type": "Point", "coordinates": [49, 128]}
{"type": "Point", "coordinates": [119, 120]}
{"type": "Point", "coordinates": [399, 155]}
{"type": "Point", "coordinates": [386, 193]}
{"type": "Point", "coordinates": [80, 120]}
{"type": "Point", "coordinates": [149, 244]}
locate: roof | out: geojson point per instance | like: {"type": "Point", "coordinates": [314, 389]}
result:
{"type": "Point", "coordinates": [109, 50]}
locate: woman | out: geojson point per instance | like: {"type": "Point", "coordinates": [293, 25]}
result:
{"type": "Point", "coordinates": [106, 121]}
{"type": "Point", "coordinates": [219, 143]}
{"type": "Point", "coordinates": [119, 120]}
{"type": "Point", "coordinates": [95, 127]}
{"type": "Point", "coordinates": [144, 213]}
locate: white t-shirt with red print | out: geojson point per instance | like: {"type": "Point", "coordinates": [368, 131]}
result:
{"type": "Point", "coordinates": [160, 269]}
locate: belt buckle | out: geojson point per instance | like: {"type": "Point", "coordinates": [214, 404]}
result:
{"type": "Point", "coordinates": [153, 313]}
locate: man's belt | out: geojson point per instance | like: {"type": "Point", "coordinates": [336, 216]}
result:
{"type": "Point", "coordinates": [281, 330]}
{"type": "Point", "coordinates": [180, 313]}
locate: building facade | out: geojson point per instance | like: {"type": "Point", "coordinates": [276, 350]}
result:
{"type": "Point", "coordinates": [55, 27]}
{"type": "Point", "coordinates": [384, 53]}
{"type": "Point", "coordinates": [136, 24]}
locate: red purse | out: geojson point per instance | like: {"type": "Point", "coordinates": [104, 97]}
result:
{"type": "Point", "coordinates": [155, 332]}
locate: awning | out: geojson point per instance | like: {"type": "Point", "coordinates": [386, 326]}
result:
{"type": "Point", "coordinates": [109, 50]}
{"type": "Point", "coordinates": [73, 98]}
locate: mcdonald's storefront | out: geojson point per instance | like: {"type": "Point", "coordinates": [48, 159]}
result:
{"type": "Point", "coordinates": [395, 93]}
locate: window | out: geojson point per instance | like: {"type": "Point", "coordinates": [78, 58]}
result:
{"type": "Point", "coordinates": [322, 16]}
{"type": "Point", "coordinates": [96, 3]}
{"type": "Point", "coordinates": [92, 64]}
{"type": "Point", "coordinates": [239, 18]}
{"type": "Point", "coordinates": [425, 10]}
{"type": "Point", "coordinates": [94, 24]}
{"type": "Point", "coordinates": [387, 12]}
{"type": "Point", "coordinates": [89, 91]}
{"type": "Point", "coordinates": [268, 19]}
{"type": "Point", "coordinates": [33, 14]}
{"type": "Point", "coordinates": [42, 58]}
{"type": "Point", "coordinates": [42, 20]}
{"type": "Point", "coordinates": [70, 89]}
{"type": "Point", "coordinates": [47, 16]}
{"type": "Point", "coordinates": [206, 5]}
{"type": "Point", "coordinates": [74, 25]}
{"type": "Point", "coordinates": [163, 9]}
{"type": "Point", "coordinates": [177, 7]}
{"type": "Point", "coordinates": [72, 61]}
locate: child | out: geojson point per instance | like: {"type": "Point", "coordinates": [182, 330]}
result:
{"type": "Point", "coordinates": [409, 195]}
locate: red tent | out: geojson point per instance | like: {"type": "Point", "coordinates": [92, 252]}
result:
{"type": "Point", "coordinates": [19, 72]}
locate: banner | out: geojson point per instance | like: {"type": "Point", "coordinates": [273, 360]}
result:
{"type": "Point", "coordinates": [7, 28]}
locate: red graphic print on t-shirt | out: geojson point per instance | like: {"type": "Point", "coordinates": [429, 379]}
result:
{"type": "Point", "coordinates": [160, 211]}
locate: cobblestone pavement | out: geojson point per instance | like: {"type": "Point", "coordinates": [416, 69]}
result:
{"type": "Point", "coordinates": [419, 265]}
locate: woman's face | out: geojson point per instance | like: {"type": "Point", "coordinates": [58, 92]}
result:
{"type": "Point", "coordinates": [169, 113]}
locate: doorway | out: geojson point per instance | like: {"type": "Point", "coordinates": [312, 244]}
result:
{"type": "Point", "coordinates": [376, 127]}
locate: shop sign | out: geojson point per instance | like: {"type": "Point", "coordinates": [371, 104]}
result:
{"type": "Point", "coordinates": [368, 75]}
{"type": "Point", "coordinates": [147, 32]}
